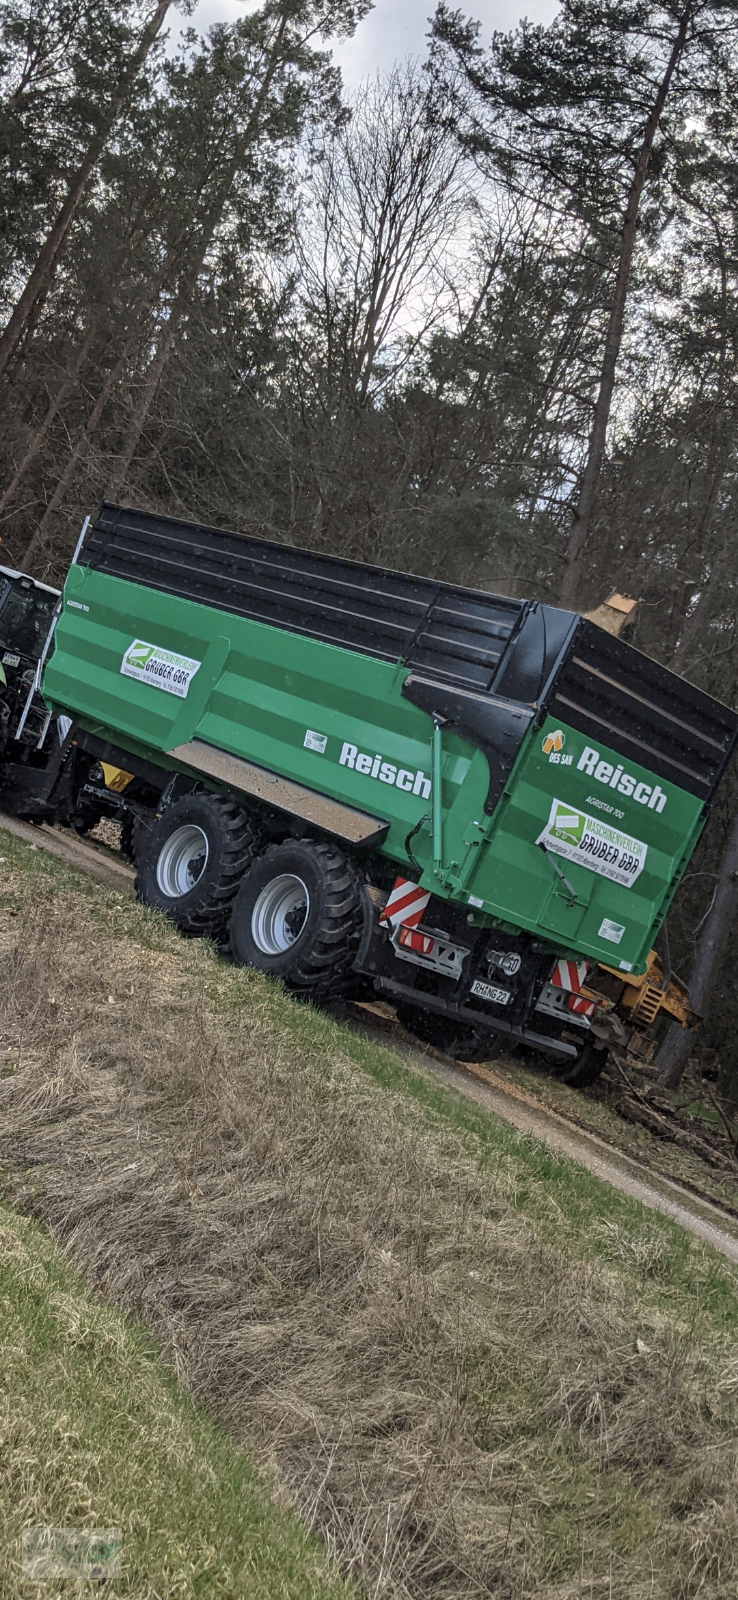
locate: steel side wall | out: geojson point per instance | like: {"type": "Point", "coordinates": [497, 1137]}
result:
{"type": "Point", "coordinates": [258, 691]}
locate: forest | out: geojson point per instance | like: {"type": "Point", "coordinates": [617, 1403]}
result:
{"type": "Point", "coordinates": [478, 320]}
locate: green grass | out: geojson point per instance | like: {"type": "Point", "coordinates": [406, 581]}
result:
{"type": "Point", "coordinates": [94, 1432]}
{"type": "Point", "coordinates": [568, 1205]}
{"type": "Point", "coordinates": [475, 1367]}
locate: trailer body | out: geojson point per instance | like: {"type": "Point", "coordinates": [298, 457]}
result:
{"type": "Point", "coordinates": [575, 773]}
{"type": "Point", "coordinates": [476, 806]}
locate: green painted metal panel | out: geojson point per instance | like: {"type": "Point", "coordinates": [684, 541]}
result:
{"type": "Point", "coordinates": [258, 693]}
{"type": "Point", "coordinates": [336, 721]}
{"type": "Point", "coordinates": [585, 909]}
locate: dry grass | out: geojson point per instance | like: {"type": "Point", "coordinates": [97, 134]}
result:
{"type": "Point", "coordinates": [95, 1433]}
{"type": "Point", "coordinates": [594, 1112]}
{"type": "Point", "coordinates": [460, 1406]}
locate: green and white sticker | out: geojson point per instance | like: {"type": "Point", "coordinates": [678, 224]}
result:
{"type": "Point", "coordinates": [163, 669]}
{"type": "Point", "coordinates": [593, 843]}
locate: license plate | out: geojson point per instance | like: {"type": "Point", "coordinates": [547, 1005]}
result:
{"type": "Point", "coordinates": [488, 991]}
{"type": "Point", "coordinates": [10, 660]}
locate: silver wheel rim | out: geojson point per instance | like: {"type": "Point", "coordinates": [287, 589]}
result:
{"type": "Point", "coordinates": [280, 914]}
{"type": "Point", "coordinates": [182, 861]}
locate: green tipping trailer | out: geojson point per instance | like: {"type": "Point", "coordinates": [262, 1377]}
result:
{"type": "Point", "coordinates": [514, 793]}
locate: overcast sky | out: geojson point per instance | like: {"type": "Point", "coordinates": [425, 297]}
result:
{"type": "Point", "coordinates": [394, 29]}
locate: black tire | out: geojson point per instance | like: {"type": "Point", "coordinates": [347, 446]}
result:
{"type": "Point", "coordinates": [466, 1043]}
{"type": "Point", "coordinates": [298, 916]}
{"type": "Point", "coordinates": [227, 840]}
{"type": "Point", "coordinates": [586, 1069]}
{"type": "Point", "coordinates": [447, 1034]}
{"type": "Point", "coordinates": [85, 818]}
{"type": "Point", "coordinates": [130, 838]}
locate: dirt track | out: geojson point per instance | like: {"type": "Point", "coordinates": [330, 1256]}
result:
{"type": "Point", "coordinates": [102, 863]}
{"type": "Point", "coordinates": [700, 1216]}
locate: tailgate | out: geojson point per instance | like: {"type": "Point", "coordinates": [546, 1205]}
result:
{"type": "Point", "coordinates": [606, 802]}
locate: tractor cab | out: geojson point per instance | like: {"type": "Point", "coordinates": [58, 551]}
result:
{"type": "Point", "coordinates": [26, 614]}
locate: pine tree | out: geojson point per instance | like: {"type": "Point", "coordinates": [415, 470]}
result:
{"type": "Point", "coordinates": [105, 106]}
{"type": "Point", "coordinates": [231, 107]}
{"type": "Point", "coordinates": [593, 102]}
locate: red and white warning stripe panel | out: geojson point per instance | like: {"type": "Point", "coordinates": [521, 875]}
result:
{"type": "Point", "coordinates": [583, 1008]}
{"type": "Point", "coordinates": [569, 975]}
{"type": "Point", "coordinates": [406, 904]}
{"type": "Point", "coordinates": [421, 943]}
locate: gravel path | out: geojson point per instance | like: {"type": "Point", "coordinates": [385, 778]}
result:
{"type": "Point", "coordinates": [700, 1215]}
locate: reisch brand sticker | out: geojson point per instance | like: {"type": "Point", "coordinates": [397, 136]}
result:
{"type": "Point", "coordinates": [163, 669]}
{"type": "Point", "coordinates": [593, 844]}
{"type": "Point", "coordinates": [613, 777]}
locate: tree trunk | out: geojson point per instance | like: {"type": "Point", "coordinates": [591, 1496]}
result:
{"type": "Point", "coordinates": [613, 338]}
{"type": "Point", "coordinates": [41, 277]}
{"type": "Point", "coordinates": [142, 406]}
{"type": "Point", "coordinates": [694, 623]}
{"type": "Point", "coordinates": [167, 337]}
{"type": "Point", "coordinates": [14, 367]}
{"type": "Point", "coordinates": [80, 450]}
{"type": "Point", "coordinates": [674, 1052]}
{"type": "Point", "coordinates": [43, 428]}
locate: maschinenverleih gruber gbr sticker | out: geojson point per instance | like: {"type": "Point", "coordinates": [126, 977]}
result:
{"type": "Point", "coordinates": [164, 669]}
{"type": "Point", "coordinates": [593, 843]}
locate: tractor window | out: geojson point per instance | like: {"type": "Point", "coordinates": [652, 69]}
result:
{"type": "Point", "coordinates": [25, 619]}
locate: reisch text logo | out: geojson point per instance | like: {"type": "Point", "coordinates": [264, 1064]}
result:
{"type": "Point", "coordinates": [375, 766]}
{"type": "Point", "coordinates": [617, 778]}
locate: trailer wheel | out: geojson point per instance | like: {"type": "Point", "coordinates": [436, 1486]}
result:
{"type": "Point", "coordinates": [130, 838]}
{"type": "Point", "coordinates": [191, 861]}
{"type": "Point", "coordinates": [452, 1037]}
{"type": "Point", "coordinates": [298, 916]}
{"type": "Point", "coordinates": [586, 1069]}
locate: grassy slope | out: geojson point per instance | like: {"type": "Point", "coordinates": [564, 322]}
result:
{"type": "Point", "coordinates": [94, 1432]}
{"type": "Point", "coordinates": [472, 1364]}
{"type": "Point", "coordinates": [592, 1112]}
